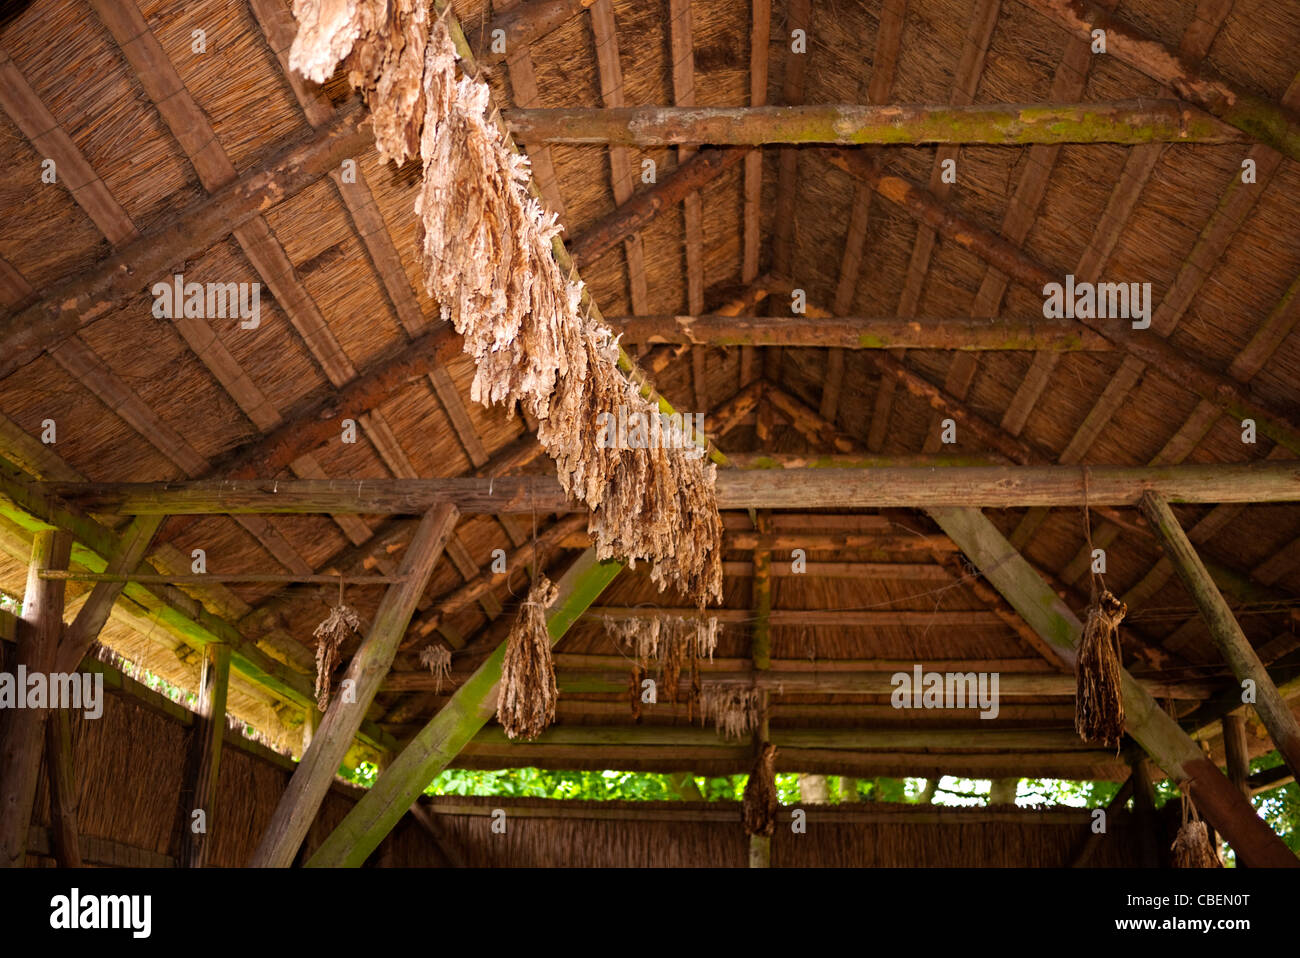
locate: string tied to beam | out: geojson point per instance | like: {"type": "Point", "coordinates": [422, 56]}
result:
{"type": "Point", "coordinates": [1098, 702]}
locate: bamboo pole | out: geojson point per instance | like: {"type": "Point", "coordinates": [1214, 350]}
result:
{"type": "Point", "coordinates": [1224, 630]}
{"type": "Point", "coordinates": [321, 759]}
{"type": "Point", "coordinates": [1002, 124]}
{"type": "Point", "coordinates": [1159, 735]}
{"type": "Point", "coordinates": [880, 488]}
{"type": "Point", "coordinates": [22, 730]}
{"type": "Point", "coordinates": [435, 745]}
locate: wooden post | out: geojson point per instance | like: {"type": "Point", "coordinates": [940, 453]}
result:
{"type": "Point", "coordinates": [1235, 751]}
{"type": "Point", "coordinates": [209, 731]}
{"type": "Point", "coordinates": [760, 846]}
{"type": "Point", "coordinates": [1160, 736]}
{"type": "Point", "coordinates": [435, 745]}
{"type": "Point", "coordinates": [302, 798]}
{"type": "Point", "coordinates": [1236, 649]}
{"type": "Point", "coordinates": [22, 730]}
{"type": "Point", "coordinates": [1144, 813]}
{"type": "Point", "coordinates": [62, 775]}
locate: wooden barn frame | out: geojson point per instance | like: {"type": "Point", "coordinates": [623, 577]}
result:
{"type": "Point", "coordinates": [831, 232]}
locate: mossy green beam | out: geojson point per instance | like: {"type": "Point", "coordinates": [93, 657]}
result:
{"type": "Point", "coordinates": [1262, 119]}
{"type": "Point", "coordinates": [998, 124]}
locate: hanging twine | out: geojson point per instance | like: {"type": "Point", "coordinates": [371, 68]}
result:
{"type": "Point", "coordinates": [1192, 847]}
{"type": "Point", "coordinates": [1098, 703]}
{"type": "Point", "coordinates": [760, 804]}
{"type": "Point", "coordinates": [330, 635]}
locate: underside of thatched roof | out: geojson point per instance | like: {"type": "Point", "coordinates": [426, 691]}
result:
{"type": "Point", "coordinates": [144, 129]}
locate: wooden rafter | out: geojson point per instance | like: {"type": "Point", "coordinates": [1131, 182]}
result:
{"type": "Point", "coordinates": [760, 26]}
{"type": "Point", "coordinates": [1217, 800]}
{"type": "Point", "coordinates": [190, 127]}
{"type": "Point", "coordinates": [969, 68]}
{"type": "Point", "coordinates": [610, 69]}
{"type": "Point", "coordinates": [884, 62]}
{"type": "Point", "coordinates": [1000, 124]}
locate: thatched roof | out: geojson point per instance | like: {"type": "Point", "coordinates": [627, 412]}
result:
{"type": "Point", "coordinates": [137, 398]}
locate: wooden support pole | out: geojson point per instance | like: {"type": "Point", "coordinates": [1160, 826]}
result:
{"type": "Point", "coordinates": [1259, 118]}
{"type": "Point", "coordinates": [321, 760]}
{"type": "Point", "coordinates": [22, 730]}
{"type": "Point", "coordinates": [85, 297]}
{"type": "Point", "coordinates": [1221, 805]}
{"type": "Point", "coordinates": [860, 332]}
{"type": "Point", "coordinates": [1002, 124]}
{"type": "Point", "coordinates": [1224, 630]}
{"type": "Point", "coordinates": [526, 23]}
{"type": "Point", "coordinates": [1144, 812]}
{"type": "Point", "coordinates": [199, 794]}
{"type": "Point", "coordinates": [435, 745]}
{"type": "Point", "coordinates": [62, 776]}
{"type": "Point", "coordinates": [999, 487]}
{"type": "Point", "coordinates": [1236, 754]}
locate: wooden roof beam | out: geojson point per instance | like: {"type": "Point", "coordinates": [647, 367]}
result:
{"type": "Point", "coordinates": [1261, 119]}
{"type": "Point", "coordinates": [760, 28]}
{"type": "Point", "coordinates": [997, 124]}
{"type": "Point", "coordinates": [850, 332]}
{"type": "Point", "coordinates": [884, 488]}
{"type": "Point", "coordinates": [85, 297]}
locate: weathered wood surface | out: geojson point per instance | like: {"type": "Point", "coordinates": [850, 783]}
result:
{"type": "Point", "coordinates": [1130, 121]}
{"type": "Point", "coordinates": [901, 487]}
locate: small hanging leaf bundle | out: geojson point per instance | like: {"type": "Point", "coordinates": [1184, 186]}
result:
{"type": "Point", "coordinates": [1192, 847]}
{"type": "Point", "coordinates": [330, 635]}
{"type": "Point", "coordinates": [758, 809]}
{"type": "Point", "coordinates": [438, 660]}
{"type": "Point", "coordinates": [733, 706]}
{"type": "Point", "coordinates": [1098, 704]}
{"type": "Point", "coordinates": [1098, 701]}
{"type": "Point", "coordinates": [526, 701]}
